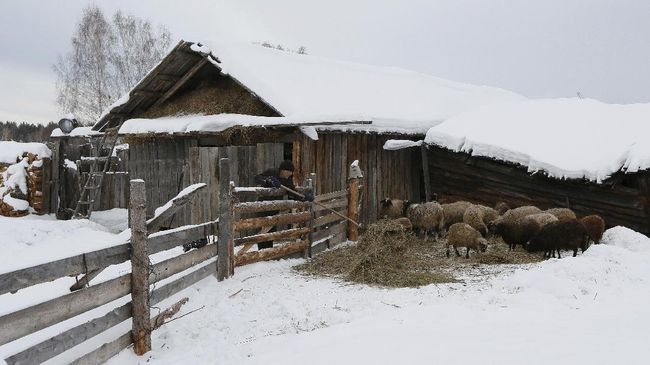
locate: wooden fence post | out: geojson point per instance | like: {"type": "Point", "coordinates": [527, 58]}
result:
{"type": "Point", "coordinates": [311, 184]}
{"type": "Point", "coordinates": [225, 243]}
{"type": "Point", "coordinates": [353, 200]}
{"type": "Point", "coordinates": [141, 329]}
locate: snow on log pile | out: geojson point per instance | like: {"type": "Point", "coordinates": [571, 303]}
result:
{"type": "Point", "coordinates": [21, 177]}
{"type": "Point", "coordinates": [563, 138]}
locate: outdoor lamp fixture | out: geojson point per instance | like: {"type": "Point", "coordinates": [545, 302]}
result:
{"type": "Point", "coordinates": [67, 125]}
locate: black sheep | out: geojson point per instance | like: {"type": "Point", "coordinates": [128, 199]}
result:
{"type": "Point", "coordinates": [560, 235]}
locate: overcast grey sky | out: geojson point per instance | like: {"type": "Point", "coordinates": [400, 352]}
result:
{"type": "Point", "coordinates": [545, 48]}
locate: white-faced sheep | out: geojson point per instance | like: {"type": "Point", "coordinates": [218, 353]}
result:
{"type": "Point", "coordinates": [509, 227]}
{"type": "Point", "coordinates": [426, 218]}
{"type": "Point", "coordinates": [560, 235]}
{"type": "Point", "coordinates": [595, 226]}
{"type": "Point", "coordinates": [562, 213]}
{"type": "Point", "coordinates": [479, 216]}
{"type": "Point", "coordinates": [454, 212]}
{"type": "Point", "coordinates": [463, 235]}
{"type": "Point", "coordinates": [393, 208]}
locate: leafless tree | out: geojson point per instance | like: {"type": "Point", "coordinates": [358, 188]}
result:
{"type": "Point", "coordinates": [107, 59]}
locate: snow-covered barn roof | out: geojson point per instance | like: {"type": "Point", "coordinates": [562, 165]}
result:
{"type": "Point", "coordinates": [565, 138]}
{"type": "Point", "coordinates": [188, 124]}
{"type": "Point", "coordinates": [304, 87]}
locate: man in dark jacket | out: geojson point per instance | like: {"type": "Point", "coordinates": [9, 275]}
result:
{"type": "Point", "coordinates": [275, 178]}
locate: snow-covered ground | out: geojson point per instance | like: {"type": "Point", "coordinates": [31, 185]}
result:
{"type": "Point", "coordinates": [588, 309]}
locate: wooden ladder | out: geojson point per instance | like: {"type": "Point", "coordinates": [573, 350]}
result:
{"type": "Point", "coordinates": [93, 185]}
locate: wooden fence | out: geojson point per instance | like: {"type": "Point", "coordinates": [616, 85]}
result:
{"type": "Point", "coordinates": [302, 229]}
{"type": "Point", "coordinates": [40, 316]}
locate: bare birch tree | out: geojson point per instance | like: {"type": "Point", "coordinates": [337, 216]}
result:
{"type": "Point", "coordinates": [107, 59]}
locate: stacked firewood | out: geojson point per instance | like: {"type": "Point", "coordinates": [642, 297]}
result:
{"type": "Point", "coordinates": [12, 197]}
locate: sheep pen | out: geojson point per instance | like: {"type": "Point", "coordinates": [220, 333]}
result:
{"type": "Point", "coordinates": [390, 256]}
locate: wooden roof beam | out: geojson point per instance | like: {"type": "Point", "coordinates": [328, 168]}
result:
{"type": "Point", "coordinates": [182, 81]}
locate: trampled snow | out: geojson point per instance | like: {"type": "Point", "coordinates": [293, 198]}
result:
{"type": "Point", "coordinates": [565, 138]}
{"type": "Point", "coordinates": [11, 151]}
{"type": "Point", "coordinates": [590, 309]}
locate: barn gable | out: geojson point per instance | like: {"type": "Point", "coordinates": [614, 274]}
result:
{"type": "Point", "coordinates": [184, 82]}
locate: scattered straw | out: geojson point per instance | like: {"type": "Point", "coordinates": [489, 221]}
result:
{"type": "Point", "coordinates": [387, 255]}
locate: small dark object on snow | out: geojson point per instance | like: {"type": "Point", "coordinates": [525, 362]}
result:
{"type": "Point", "coordinates": [195, 244]}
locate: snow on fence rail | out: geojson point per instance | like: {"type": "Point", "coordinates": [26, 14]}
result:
{"type": "Point", "coordinates": [40, 316]}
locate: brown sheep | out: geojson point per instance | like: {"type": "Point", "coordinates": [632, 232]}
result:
{"type": "Point", "coordinates": [509, 227]}
{"type": "Point", "coordinates": [501, 207]}
{"type": "Point", "coordinates": [533, 223]}
{"type": "Point", "coordinates": [562, 213]}
{"type": "Point", "coordinates": [463, 235]}
{"type": "Point", "coordinates": [479, 216]}
{"type": "Point", "coordinates": [595, 226]}
{"type": "Point", "coordinates": [560, 235]}
{"type": "Point", "coordinates": [454, 212]}
{"type": "Point", "coordinates": [393, 208]}
{"type": "Point", "coordinates": [427, 218]}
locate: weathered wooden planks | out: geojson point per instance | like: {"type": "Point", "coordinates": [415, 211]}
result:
{"type": "Point", "coordinates": [74, 336]}
{"type": "Point", "coordinates": [272, 236]}
{"type": "Point", "coordinates": [272, 220]}
{"type": "Point", "coordinates": [271, 205]}
{"type": "Point", "coordinates": [141, 329]}
{"type": "Point", "coordinates": [455, 176]}
{"type": "Point", "coordinates": [271, 253]}
{"type": "Point", "coordinates": [225, 261]}
{"type": "Point", "coordinates": [59, 309]}
{"type": "Point", "coordinates": [99, 259]}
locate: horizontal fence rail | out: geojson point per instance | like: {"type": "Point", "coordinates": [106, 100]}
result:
{"type": "Point", "coordinates": [100, 259]}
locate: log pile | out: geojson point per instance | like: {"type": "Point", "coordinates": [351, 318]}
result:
{"type": "Point", "coordinates": [12, 196]}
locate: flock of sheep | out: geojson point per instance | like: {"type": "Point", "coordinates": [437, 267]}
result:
{"type": "Point", "coordinates": [468, 225]}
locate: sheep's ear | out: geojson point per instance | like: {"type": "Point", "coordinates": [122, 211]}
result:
{"type": "Point", "coordinates": [386, 202]}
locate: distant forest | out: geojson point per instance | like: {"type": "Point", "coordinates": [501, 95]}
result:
{"type": "Point", "coordinates": [26, 132]}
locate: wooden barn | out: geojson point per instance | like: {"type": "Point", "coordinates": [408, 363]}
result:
{"type": "Point", "coordinates": [259, 106]}
{"type": "Point", "coordinates": [581, 154]}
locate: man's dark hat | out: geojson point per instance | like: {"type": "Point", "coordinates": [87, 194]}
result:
{"type": "Point", "coordinates": [286, 165]}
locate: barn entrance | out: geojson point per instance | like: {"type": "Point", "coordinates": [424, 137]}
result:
{"type": "Point", "coordinates": [245, 163]}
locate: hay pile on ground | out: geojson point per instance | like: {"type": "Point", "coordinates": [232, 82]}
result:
{"type": "Point", "coordinates": [387, 255]}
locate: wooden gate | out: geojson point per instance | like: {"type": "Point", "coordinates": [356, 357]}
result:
{"type": "Point", "coordinates": [301, 227]}
{"type": "Point", "coordinates": [244, 162]}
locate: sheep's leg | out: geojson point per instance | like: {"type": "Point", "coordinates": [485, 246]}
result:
{"type": "Point", "coordinates": [457, 253]}
{"type": "Point", "coordinates": [447, 250]}
{"type": "Point", "coordinates": [467, 253]}
{"type": "Point", "coordinates": [575, 252]}
{"type": "Point", "coordinates": [558, 254]}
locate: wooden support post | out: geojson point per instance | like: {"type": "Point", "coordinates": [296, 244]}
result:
{"type": "Point", "coordinates": [311, 183]}
{"type": "Point", "coordinates": [141, 329]}
{"type": "Point", "coordinates": [644, 191]}
{"type": "Point", "coordinates": [426, 178]}
{"type": "Point", "coordinates": [353, 208]}
{"type": "Point", "coordinates": [225, 243]}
